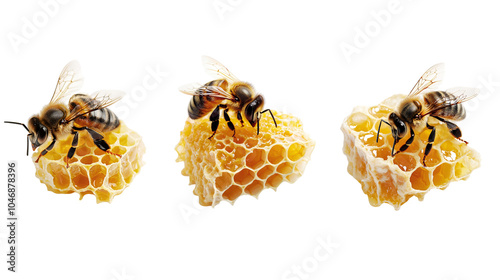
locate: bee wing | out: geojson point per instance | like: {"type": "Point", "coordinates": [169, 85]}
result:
{"type": "Point", "coordinates": [429, 80]}
{"type": "Point", "coordinates": [190, 89]}
{"type": "Point", "coordinates": [100, 99]}
{"type": "Point", "coordinates": [70, 81]}
{"type": "Point", "coordinates": [216, 69]}
{"type": "Point", "coordinates": [458, 95]}
{"type": "Point", "coordinates": [463, 93]}
{"type": "Point", "coordinates": [198, 89]}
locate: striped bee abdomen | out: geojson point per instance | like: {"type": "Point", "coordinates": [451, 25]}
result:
{"type": "Point", "coordinates": [450, 110]}
{"type": "Point", "coordinates": [202, 102]}
{"type": "Point", "coordinates": [103, 119]}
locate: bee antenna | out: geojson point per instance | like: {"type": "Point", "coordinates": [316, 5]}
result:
{"type": "Point", "coordinates": [260, 115]}
{"type": "Point", "coordinates": [28, 144]}
{"type": "Point", "coordinates": [379, 125]}
{"type": "Point", "coordinates": [270, 112]}
{"type": "Point", "coordinates": [394, 145]}
{"type": "Point", "coordinates": [18, 124]}
{"type": "Point", "coordinates": [258, 126]}
{"type": "Point", "coordinates": [27, 138]}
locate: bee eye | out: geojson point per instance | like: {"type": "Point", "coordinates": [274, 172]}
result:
{"type": "Point", "coordinates": [41, 134]}
{"type": "Point", "coordinates": [253, 108]}
{"type": "Point", "coordinates": [401, 129]}
{"type": "Point", "coordinates": [250, 113]}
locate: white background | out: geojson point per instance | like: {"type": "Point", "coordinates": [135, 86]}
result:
{"type": "Point", "coordinates": [292, 52]}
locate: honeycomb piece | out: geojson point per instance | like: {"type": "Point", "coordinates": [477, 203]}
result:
{"type": "Point", "coordinates": [394, 180]}
{"type": "Point", "coordinates": [91, 170]}
{"type": "Point", "coordinates": [224, 168]}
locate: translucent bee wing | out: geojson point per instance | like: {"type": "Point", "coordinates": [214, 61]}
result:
{"type": "Point", "coordinates": [217, 69]}
{"type": "Point", "coordinates": [100, 99]}
{"type": "Point", "coordinates": [107, 97]}
{"type": "Point", "coordinates": [429, 80]}
{"type": "Point", "coordinates": [70, 81]}
{"type": "Point", "coordinates": [457, 95]}
{"type": "Point", "coordinates": [463, 94]}
{"type": "Point", "coordinates": [197, 89]}
{"type": "Point", "coordinates": [190, 89]}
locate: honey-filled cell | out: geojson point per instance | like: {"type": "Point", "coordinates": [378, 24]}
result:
{"type": "Point", "coordinates": [394, 179]}
{"type": "Point", "coordinates": [246, 164]}
{"type": "Point", "coordinates": [92, 170]}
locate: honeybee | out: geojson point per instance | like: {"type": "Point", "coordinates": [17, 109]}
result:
{"type": "Point", "coordinates": [83, 112]}
{"type": "Point", "coordinates": [228, 93]}
{"type": "Point", "coordinates": [423, 102]}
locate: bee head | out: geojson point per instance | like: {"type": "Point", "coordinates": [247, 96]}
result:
{"type": "Point", "coordinates": [38, 133]}
{"type": "Point", "coordinates": [398, 126]}
{"type": "Point", "coordinates": [253, 110]}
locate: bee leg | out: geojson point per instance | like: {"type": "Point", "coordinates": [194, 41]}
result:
{"type": "Point", "coordinates": [454, 129]}
{"type": "Point", "coordinates": [100, 142]}
{"type": "Point", "coordinates": [72, 150]}
{"type": "Point", "coordinates": [408, 142]}
{"type": "Point", "coordinates": [44, 152]}
{"type": "Point", "coordinates": [430, 141]}
{"type": "Point", "coordinates": [229, 122]}
{"type": "Point", "coordinates": [214, 118]}
{"type": "Point", "coordinates": [240, 118]}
